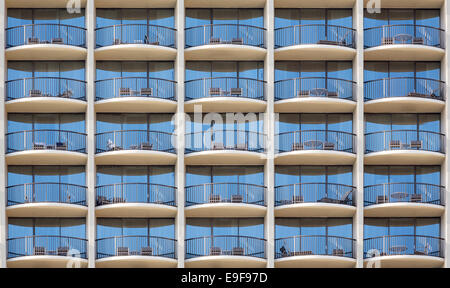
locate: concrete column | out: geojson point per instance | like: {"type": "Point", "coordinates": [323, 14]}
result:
{"type": "Point", "coordinates": [3, 130]}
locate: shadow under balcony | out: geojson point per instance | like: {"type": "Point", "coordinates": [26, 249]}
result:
{"type": "Point", "coordinates": [136, 252]}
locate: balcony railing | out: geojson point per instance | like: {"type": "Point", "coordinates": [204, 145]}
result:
{"type": "Point", "coordinates": [225, 245]}
{"type": "Point", "coordinates": [135, 87]}
{"type": "Point", "coordinates": [404, 192]}
{"type": "Point", "coordinates": [135, 34]}
{"type": "Point", "coordinates": [316, 140]}
{"type": "Point", "coordinates": [315, 34]}
{"type": "Point", "coordinates": [304, 245]}
{"type": "Point", "coordinates": [225, 87]}
{"type": "Point", "coordinates": [136, 193]}
{"type": "Point", "coordinates": [314, 193]}
{"type": "Point", "coordinates": [136, 246]}
{"type": "Point", "coordinates": [404, 245]}
{"type": "Point", "coordinates": [235, 34]}
{"type": "Point", "coordinates": [45, 34]}
{"type": "Point", "coordinates": [238, 140]}
{"type": "Point", "coordinates": [404, 34]}
{"type": "Point", "coordinates": [46, 192]}
{"type": "Point", "coordinates": [44, 139]}
{"type": "Point", "coordinates": [47, 246]}
{"type": "Point", "coordinates": [135, 140]}
{"type": "Point", "coordinates": [46, 87]}
{"type": "Point", "coordinates": [404, 87]}
{"type": "Point", "coordinates": [314, 87]}
{"type": "Point", "coordinates": [236, 193]}
{"type": "Point", "coordinates": [405, 140]}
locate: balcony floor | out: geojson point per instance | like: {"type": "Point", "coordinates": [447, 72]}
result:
{"type": "Point", "coordinates": [403, 52]}
{"type": "Point", "coordinates": [315, 261]}
{"type": "Point", "coordinates": [218, 52]}
{"type": "Point", "coordinates": [45, 105]}
{"type": "Point", "coordinates": [404, 261]}
{"type": "Point", "coordinates": [404, 157]}
{"type": "Point", "coordinates": [136, 105]}
{"type": "Point", "coordinates": [46, 209]}
{"type": "Point", "coordinates": [404, 105]}
{"type": "Point", "coordinates": [46, 52]}
{"type": "Point", "coordinates": [225, 210]}
{"type": "Point", "coordinates": [315, 157]}
{"type": "Point", "coordinates": [225, 262]}
{"type": "Point", "coordinates": [315, 210]}
{"type": "Point", "coordinates": [315, 52]}
{"type": "Point", "coordinates": [133, 52]}
{"type": "Point", "coordinates": [404, 209]}
{"type": "Point", "coordinates": [136, 262]}
{"type": "Point", "coordinates": [135, 157]}
{"type": "Point", "coordinates": [46, 262]}
{"type": "Point", "coordinates": [226, 104]}
{"type": "Point", "coordinates": [131, 210]}
{"type": "Point", "coordinates": [314, 105]}
{"type": "Point", "coordinates": [46, 157]}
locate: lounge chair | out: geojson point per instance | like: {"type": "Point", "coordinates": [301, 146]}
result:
{"type": "Point", "coordinates": [242, 146]}
{"type": "Point", "coordinates": [111, 146]}
{"type": "Point", "coordinates": [301, 253]}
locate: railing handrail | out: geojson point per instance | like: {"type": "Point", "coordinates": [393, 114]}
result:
{"type": "Point", "coordinates": [136, 236]}
{"type": "Point", "coordinates": [412, 183]}
{"type": "Point", "coordinates": [134, 130]}
{"type": "Point", "coordinates": [225, 236]}
{"type": "Point", "coordinates": [315, 236]}
{"type": "Point", "coordinates": [212, 78]}
{"type": "Point", "coordinates": [398, 236]}
{"type": "Point", "coordinates": [46, 77]}
{"type": "Point", "coordinates": [329, 78]}
{"type": "Point", "coordinates": [47, 236]}
{"type": "Point", "coordinates": [405, 130]}
{"type": "Point", "coordinates": [135, 24]}
{"type": "Point", "coordinates": [45, 183]}
{"type": "Point", "coordinates": [315, 25]}
{"type": "Point", "coordinates": [414, 78]}
{"type": "Point", "coordinates": [46, 24]}
{"type": "Point", "coordinates": [46, 130]}
{"type": "Point", "coordinates": [226, 183]}
{"type": "Point", "coordinates": [400, 25]}
{"type": "Point", "coordinates": [135, 183]}
{"type": "Point", "coordinates": [316, 183]}
{"type": "Point", "coordinates": [230, 24]}
{"type": "Point", "coordinates": [146, 78]}
{"type": "Point", "coordinates": [318, 130]}
{"type": "Point", "coordinates": [225, 130]}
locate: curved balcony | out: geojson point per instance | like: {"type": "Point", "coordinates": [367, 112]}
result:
{"type": "Point", "coordinates": [135, 42]}
{"type": "Point", "coordinates": [225, 200]}
{"type": "Point", "coordinates": [225, 42]}
{"type": "Point", "coordinates": [46, 147]}
{"type": "Point", "coordinates": [404, 94]}
{"type": "Point", "coordinates": [136, 252]}
{"type": "Point", "coordinates": [315, 147]}
{"type": "Point", "coordinates": [225, 252]}
{"type": "Point", "coordinates": [225, 147]}
{"type": "Point", "coordinates": [47, 252]}
{"type": "Point", "coordinates": [46, 95]}
{"type": "Point", "coordinates": [314, 42]}
{"type": "Point", "coordinates": [404, 200]}
{"type": "Point", "coordinates": [404, 147]}
{"type": "Point", "coordinates": [319, 251]}
{"type": "Point", "coordinates": [404, 42]}
{"type": "Point", "coordinates": [46, 42]}
{"type": "Point", "coordinates": [135, 147]}
{"type": "Point", "coordinates": [46, 200]}
{"type": "Point", "coordinates": [404, 251]}
{"type": "Point", "coordinates": [314, 200]}
{"type": "Point", "coordinates": [135, 94]}
{"type": "Point", "coordinates": [315, 95]}
{"type": "Point", "coordinates": [226, 94]}
{"type": "Point", "coordinates": [127, 200]}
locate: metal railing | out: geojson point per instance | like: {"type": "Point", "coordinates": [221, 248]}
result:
{"type": "Point", "coordinates": [136, 246]}
{"type": "Point", "coordinates": [316, 140]}
{"type": "Point", "coordinates": [404, 192]}
{"type": "Point", "coordinates": [47, 246]}
{"type": "Point", "coordinates": [314, 193]}
{"type": "Point", "coordinates": [403, 245]}
{"type": "Point", "coordinates": [136, 193]}
{"type": "Point", "coordinates": [46, 192]}
{"type": "Point", "coordinates": [135, 34]}
{"type": "Point", "coordinates": [225, 87]}
{"type": "Point", "coordinates": [404, 87]}
{"type": "Point", "coordinates": [405, 140]}
{"type": "Point", "coordinates": [314, 87]}
{"type": "Point", "coordinates": [46, 139]}
{"type": "Point", "coordinates": [45, 34]}
{"type": "Point", "coordinates": [304, 245]}
{"type": "Point", "coordinates": [225, 245]}
{"type": "Point", "coordinates": [404, 34]}
{"type": "Point", "coordinates": [239, 140]}
{"type": "Point", "coordinates": [46, 87]}
{"type": "Point", "coordinates": [315, 34]}
{"type": "Point", "coordinates": [135, 87]}
{"type": "Point", "coordinates": [235, 34]}
{"type": "Point", "coordinates": [236, 193]}
{"type": "Point", "coordinates": [135, 140]}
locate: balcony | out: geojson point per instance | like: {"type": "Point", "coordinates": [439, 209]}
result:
{"type": "Point", "coordinates": [225, 42]}
{"type": "Point", "coordinates": [47, 252]}
{"type": "Point", "coordinates": [136, 94]}
{"type": "Point", "coordinates": [404, 147]}
{"type": "Point", "coordinates": [225, 200]}
{"type": "Point", "coordinates": [46, 42]}
{"type": "Point", "coordinates": [404, 251]}
{"type": "Point", "coordinates": [226, 94]}
{"type": "Point", "coordinates": [314, 42]}
{"type": "Point", "coordinates": [46, 200]}
{"type": "Point", "coordinates": [404, 200]}
{"type": "Point", "coordinates": [46, 147]}
{"type": "Point", "coordinates": [315, 95]}
{"type": "Point", "coordinates": [404, 94]}
{"type": "Point", "coordinates": [135, 42]}
{"type": "Point", "coordinates": [126, 200]}
{"type": "Point", "coordinates": [46, 95]}
{"type": "Point", "coordinates": [315, 147]}
{"type": "Point", "coordinates": [225, 252]}
{"type": "Point", "coordinates": [314, 200]}
{"type": "Point", "coordinates": [135, 147]}
{"type": "Point", "coordinates": [314, 252]}
{"type": "Point", "coordinates": [136, 252]}
{"type": "Point", "coordinates": [404, 42]}
{"type": "Point", "coordinates": [227, 4]}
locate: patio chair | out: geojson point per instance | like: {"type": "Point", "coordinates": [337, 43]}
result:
{"type": "Point", "coordinates": [214, 198]}
{"type": "Point", "coordinates": [237, 251]}
{"type": "Point", "coordinates": [57, 41]}
{"type": "Point", "coordinates": [242, 146]}
{"type": "Point", "coordinates": [33, 40]}
{"type": "Point", "coordinates": [124, 92]}
{"type": "Point", "coordinates": [215, 251]}
{"type": "Point", "coordinates": [332, 94]}
{"type": "Point", "coordinates": [61, 146]}
{"type": "Point", "coordinates": [297, 146]}
{"type": "Point", "coordinates": [338, 252]}
{"type": "Point", "coordinates": [418, 41]}
{"type": "Point", "coordinates": [416, 144]}
{"type": "Point", "coordinates": [237, 41]}
{"type": "Point", "coordinates": [147, 92]}
{"type": "Point", "coordinates": [122, 251]}
{"type": "Point", "coordinates": [328, 146]}
{"type": "Point", "coordinates": [62, 251]}
{"type": "Point", "coordinates": [297, 199]}
{"type": "Point", "coordinates": [382, 199]}
{"type": "Point", "coordinates": [387, 40]}
{"type": "Point", "coordinates": [214, 40]}
{"type": "Point", "coordinates": [394, 144]}
{"type": "Point", "coordinates": [147, 251]}
{"type": "Point", "coordinates": [111, 146]}
{"type": "Point", "coordinates": [35, 93]}
{"type": "Point", "coordinates": [416, 198]}
{"type": "Point", "coordinates": [214, 91]}
{"type": "Point", "coordinates": [146, 146]}
{"type": "Point", "coordinates": [38, 146]}
{"type": "Point", "coordinates": [236, 91]}
{"type": "Point", "coordinates": [284, 252]}
{"type": "Point", "coordinates": [304, 93]}
{"type": "Point", "coordinates": [38, 250]}
{"type": "Point", "coordinates": [237, 198]}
